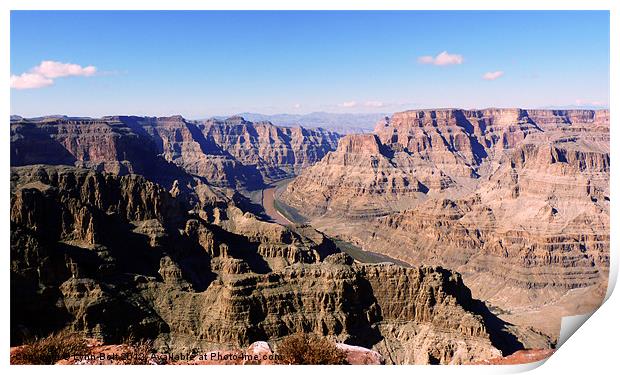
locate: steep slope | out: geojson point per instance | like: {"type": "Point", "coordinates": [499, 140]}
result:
{"type": "Point", "coordinates": [231, 153]}
{"type": "Point", "coordinates": [437, 152]}
{"type": "Point", "coordinates": [220, 279]}
{"type": "Point", "coordinates": [522, 207]}
{"type": "Point", "coordinates": [102, 144]}
{"type": "Point", "coordinates": [362, 178]}
{"type": "Point", "coordinates": [181, 142]}
{"type": "Point", "coordinates": [277, 152]}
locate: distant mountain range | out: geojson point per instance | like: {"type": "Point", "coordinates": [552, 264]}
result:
{"type": "Point", "coordinates": [343, 123]}
{"type": "Point", "coordinates": [583, 106]}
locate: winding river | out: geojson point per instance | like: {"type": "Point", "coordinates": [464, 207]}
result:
{"type": "Point", "coordinates": [271, 203]}
{"type": "Point", "coordinates": [268, 201]}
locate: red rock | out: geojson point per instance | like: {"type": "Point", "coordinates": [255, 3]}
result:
{"type": "Point", "coordinates": [519, 357]}
{"type": "Point", "coordinates": [262, 351]}
{"type": "Point", "coordinates": [357, 355]}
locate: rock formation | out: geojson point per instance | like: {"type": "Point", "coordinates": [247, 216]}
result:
{"type": "Point", "coordinates": [230, 153]}
{"type": "Point", "coordinates": [362, 178]}
{"type": "Point", "coordinates": [113, 256]}
{"type": "Point", "coordinates": [516, 200]}
{"type": "Point", "coordinates": [101, 144]}
{"type": "Point", "coordinates": [142, 226]}
{"type": "Point", "coordinates": [341, 123]}
{"type": "Point", "coordinates": [277, 152]}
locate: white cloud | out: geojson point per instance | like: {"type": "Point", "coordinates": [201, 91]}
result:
{"type": "Point", "coordinates": [55, 69]}
{"type": "Point", "coordinates": [374, 104]}
{"type": "Point", "coordinates": [350, 104]}
{"type": "Point", "coordinates": [366, 104]}
{"type": "Point", "coordinates": [297, 106]}
{"type": "Point", "coordinates": [44, 74]}
{"type": "Point", "coordinates": [588, 102]}
{"type": "Point", "coordinates": [29, 81]}
{"type": "Point", "coordinates": [444, 58]}
{"type": "Point", "coordinates": [492, 76]}
{"type": "Point", "coordinates": [426, 59]}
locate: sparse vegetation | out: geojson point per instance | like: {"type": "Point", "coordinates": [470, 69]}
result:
{"type": "Point", "coordinates": [136, 351]}
{"type": "Point", "coordinates": [310, 349]}
{"type": "Point", "coordinates": [51, 349]}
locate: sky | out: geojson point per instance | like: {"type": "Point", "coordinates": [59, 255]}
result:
{"type": "Point", "coordinates": [204, 63]}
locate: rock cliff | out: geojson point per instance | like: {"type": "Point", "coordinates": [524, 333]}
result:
{"type": "Point", "coordinates": [516, 200]}
{"type": "Point", "coordinates": [114, 256]}
{"type": "Point", "coordinates": [362, 178]}
{"type": "Point", "coordinates": [101, 144]}
{"type": "Point", "coordinates": [277, 152]}
{"type": "Point", "coordinates": [229, 153]}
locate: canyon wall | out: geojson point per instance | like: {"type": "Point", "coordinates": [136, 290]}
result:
{"type": "Point", "coordinates": [516, 200]}
{"type": "Point", "coordinates": [113, 256]}
{"type": "Point", "coordinates": [228, 153]}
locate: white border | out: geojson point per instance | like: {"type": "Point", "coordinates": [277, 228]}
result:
{"type": "Point", "coordinates": [593, 347]}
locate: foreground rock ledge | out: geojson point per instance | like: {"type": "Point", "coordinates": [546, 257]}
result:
{"type": "Point", "coordinates": [356, 355]}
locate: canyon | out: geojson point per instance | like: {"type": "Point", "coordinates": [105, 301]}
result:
{"type": "Point", "coordinates": [515, 200]}
{"type": "Point", "coordinates": [445, 236]}
{"type": "Point", "coordinates": [232, 153]}
{"type": "Point", "coordinates": [113, 256]}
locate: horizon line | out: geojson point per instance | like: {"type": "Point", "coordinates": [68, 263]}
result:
{"type": "Point", "coordinates": [206, 117]}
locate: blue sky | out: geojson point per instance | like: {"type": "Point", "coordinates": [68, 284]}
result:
{"type": "Point", "coordinates": [202, 63]}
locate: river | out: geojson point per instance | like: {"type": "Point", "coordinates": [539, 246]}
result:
{"type": "Point", "coordinates": [283, 214]}
{"type": "Point", "coordinates": [268, 201]}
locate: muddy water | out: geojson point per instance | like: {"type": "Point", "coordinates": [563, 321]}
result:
{"type": "Point", "coordinates": [270, 210]}
{"type": "Point", "coordinates": [269, 198]}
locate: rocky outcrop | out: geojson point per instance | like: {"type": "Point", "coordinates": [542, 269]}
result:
{"type": "Point", "coordinates": [434, 151]}
{"type": "Point", "coordinates": [229, 153]}
{"type": "Point", "coordinates": [102, 144]}
{"type": "Point", "coordinates": [277, 152]}
{"type": "Point", "coordinates": [520, 204]}
{"type": "Point", "coordinates": [113, 256]}
{"type": "Point", "coordinates": [357, 355]}
{"type": "Point", "coordinates": [182, 143]}
{"type": "Point", "coordinates": [360, 178]}
{"type": "Point", "coordinates": [520, 357]}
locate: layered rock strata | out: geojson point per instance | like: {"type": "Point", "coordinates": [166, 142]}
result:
{"type": "Point", "coordinates": [113, 256]}
{"type": "Point", "coordinates": [516, 200]}
{"type": "Point", "coordinates": [277, 152]}
{"type": "Point", "coordinates": [230, 153]}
